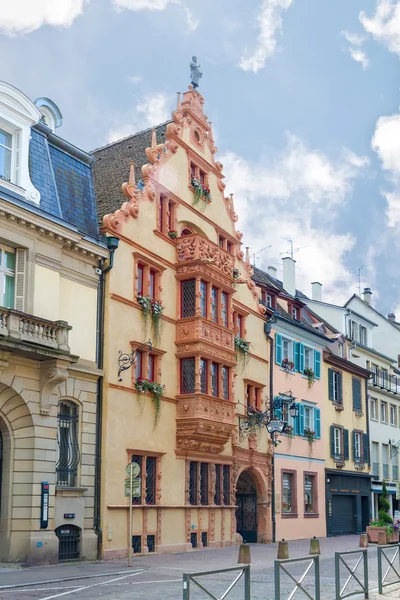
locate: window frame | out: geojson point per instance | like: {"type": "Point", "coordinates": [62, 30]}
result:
{"type": "Point", "coordinates": [148, 266]}
{"type": "Point", "coordinates": [358, 434]}
{"type": "Point", "coordinates": [314, 513]}
{"type": "Point", "coordinates": [292, 514]}
{"type": "Point", "coordinates": [382, 405]}
{"type": "Point", "coordinates": [374, 412]}
{"type": "Point", "coordinates": [7, 272]}
{"type": "Point", "coordinates": [156, 482]}
{"type": "Point", "coordinates": [394, 407]}
{"type": "Point", "coordinates": [67, 477]}
{"type": "Point", "coordinates": [290, 348]}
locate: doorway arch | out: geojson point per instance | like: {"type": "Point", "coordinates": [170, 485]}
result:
{"type": "Point", "coordinates": [246, 507]}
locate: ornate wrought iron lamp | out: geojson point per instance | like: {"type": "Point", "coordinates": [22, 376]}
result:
{"type": "Point", "coordinates": [257, 419]}
{"type": "Point", "coordinates": [125, 361]}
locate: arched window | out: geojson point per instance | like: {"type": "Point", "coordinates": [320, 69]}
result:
{"type": "Point", "coordinates": [186, 231]}
{"type": "Point", "coordinates": [68, 454]}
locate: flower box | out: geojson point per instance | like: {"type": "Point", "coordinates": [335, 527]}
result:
{"type": "Point", "coordinates": [373, 534]}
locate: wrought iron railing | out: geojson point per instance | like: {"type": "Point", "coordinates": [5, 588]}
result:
{"type": "Point", "coordinates": [351, 574]}
{"type": "Point", "coordinates": [389, 558]}
{"type": "Point", "coordinates": [386, 381]}
{"type": "Point", "coordinates": [67, 444]}
{"type": "Point", "coordinates": [190, 580]}
{"type": "Point", "coordinates": [281, 568]}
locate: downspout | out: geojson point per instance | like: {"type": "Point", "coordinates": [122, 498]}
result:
{"type": "Point", "coordinates": [369, 442]}
{"type": "Point", "coordinates": [267, 330]}
{"type": "Point", "coordinates": [112, 244]}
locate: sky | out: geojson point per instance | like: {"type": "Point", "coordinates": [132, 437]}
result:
{"type": "Point", "coordinates": [303, 96]}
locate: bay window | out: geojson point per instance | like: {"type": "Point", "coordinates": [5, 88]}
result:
{"type": "Point", "coordinates": [203, 299]}
{"type": "Point", "coordinates": [214, 304]}
{"type": "Point", "coordinates": [224, 308]}
{"type": "Point", "coordinates": [188, 298]}
{"type": "Point", "coordinates": [203, 375]}
{"type": "Point", "coordinates": [187, 375]}
{"type": "Point", "coordinates": [214, 379]}
{"type": "Point", "coordinates": [225, 383]}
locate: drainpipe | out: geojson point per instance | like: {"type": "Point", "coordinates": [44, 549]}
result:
{"type": "Point", "coordinates": [369, 440]}
{"type": "Point", "coordinates": [112, 245]}
{"type": "Point", "coordinates": [267, 329]}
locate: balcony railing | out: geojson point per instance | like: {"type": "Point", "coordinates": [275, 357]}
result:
{"type": "Point", "coordinates": [196, 247]}
{"type": "Point", "coordinates": [386, 381]}
{"type": "Point", "coordinates": [18, 326]}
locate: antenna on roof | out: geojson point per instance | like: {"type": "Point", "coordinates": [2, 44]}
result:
{"type": "Point", "coordinates": [292, 250]}
{"type": "Point", "coordinates": [359, 269]}
{"type": "Point", "coordinates": [259, 252]}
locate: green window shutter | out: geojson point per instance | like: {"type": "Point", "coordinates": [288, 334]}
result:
{"type": "Point", "coordinates": [317, 419]}
{"type": "Point", "coordinates": [278, 348]}
{"type": "Point", "coordinates": [296, 424]}
{"type": "Point", "coordinates": [330, 382]}
{"type": "Point", "coordinates": [340, 389]}
{"type": "Point", "coordinates": [356, 394]}
{"type": "Point", "coordinates": [20, 268]}
{"type": "Point", "coordinates": [366, 447]}
{"type": "Point", "coordinates": [301, 358]}
{"type": "Point", "coordinates": [353, 441]}
{"type": "Point", "coordinates": [346, 443]}
{"type": "Point", "coordinates": [301, 419]}
{"type": "Point", "coordinates": [317, 364]}
{"type": "Point", "coordinates": [332, 441]}
{"type": "Point", "coordinates": [296, 356]}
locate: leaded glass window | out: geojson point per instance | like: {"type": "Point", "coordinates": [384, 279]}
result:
{"type": "Point", "coordinates": [151, 477]}
{"type": "Point", "coordinates": [214, 379]}
{"type": "Point", "coordinates": [193, 475]}
{"type": "Point", "coordinates": [203, 298]}
{"type": "Point", "coordinates": [218, 475]}
{"type": "Point", "coordinates": [224, 309]}
{"type": "Point", "coordinates": [203, 375]}
{"type": "Point", "coordinates": [225, 382]}
{"type": "Point", "coordinates": [214, 305]}
{"type": "Point", "coordinates": [204, 483]}
{"type": "Point", "coordinates": [187, 375]}
{"type": "Point", "coordinates": [227, 484]}
{"type": "Point", "coordinates": [188, 288]}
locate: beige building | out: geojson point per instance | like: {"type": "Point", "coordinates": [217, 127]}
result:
{"type": "Point", "coordinates": [49, 250]}
{"type": "Point", "coordinates": [181, 280]}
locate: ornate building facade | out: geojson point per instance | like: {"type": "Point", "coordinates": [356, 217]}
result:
{"type": "Point", "coordinates": [49, 249]}
{"type": "Point", "coordinates": [181, 280]}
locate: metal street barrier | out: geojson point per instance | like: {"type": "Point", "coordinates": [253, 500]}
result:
{"type": "Point", "coordinates": [362, 581]}
{"type": "Point", "coordinates": [387, 555]}
{"type": "Point", "coordinates": [280, 567]}
{"type": "Point", "coordinates": [191, 578]}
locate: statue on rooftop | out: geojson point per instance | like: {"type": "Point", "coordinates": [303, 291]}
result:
{"type": "Point", "coordinates": [195, 72]}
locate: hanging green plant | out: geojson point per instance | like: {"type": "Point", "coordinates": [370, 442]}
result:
{"type": "Point", "coordinates": [144, 386]}
{"type": "Point", "coordinates": [310, 435]}
{"type": "Point", "coordinates": [201, 192]}
{"type": "Point", "coordinates": [173, 234]}
{"type": "Point", "coordinates": [242, 348]}
{"type": "Point", "coordinates": [310, 376]}
{"type": "Point", "coordinates": [289, 431]}
{"type": "Point", "coordinates": [154, 309]}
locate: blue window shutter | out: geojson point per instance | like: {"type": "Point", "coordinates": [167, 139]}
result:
{"type": "Point", "coordinates": [301, 358]}
{"type": "Point", "coordinates": [296, 356]}
{"type": "Point", "coordinates": [317, 419]}
{"type": "Point", "coordinates": [301, 419]}
{"type": "Point", "coordinates": [330, 380]}
{"type": "Point", "coordinates": [332, 441]}
{"type": "Point", "coordinates": [296, 424]}
{"type": "Point", "coordinates": [317, 364]}
{"type": "Point", "coordinates": [278, 348]}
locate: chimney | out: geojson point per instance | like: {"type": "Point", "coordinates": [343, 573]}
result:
{"type": "Point", "coordinates": [316, 293]}
{"type": "Point", "coordinates": [367, 295]}
{"type": "Point", "coordinates": [392, 317]}
{"type": "Point", "coordinates": [289, 275]}
{"type": "Point", "coordinates": [272, 272]}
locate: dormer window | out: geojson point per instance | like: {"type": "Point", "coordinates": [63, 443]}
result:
{"type": "Point", "coordinates": [5, 154]}
{"type": "Point", "coordinates": [295, 313]}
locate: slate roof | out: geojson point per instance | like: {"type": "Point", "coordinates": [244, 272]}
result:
{"type": "Point", "coordinates": [263, 278]}
{"type": "Point", "coordinates": [111, 168]}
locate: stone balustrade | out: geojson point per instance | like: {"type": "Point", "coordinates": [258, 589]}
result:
{"type": "Point", "coordinates": [196, 247]}
{"type": "Point", "coordinates": [18, 326]}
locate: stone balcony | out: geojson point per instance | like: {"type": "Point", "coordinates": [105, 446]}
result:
{"type": "Point", "coordinates": [33, 334]}
{"type": "Point", "coordinates": [204, 423]}
{"type": "Point", "coordinates": [198, 333]}
{"type": "Point", "coordinates": [195, 249]}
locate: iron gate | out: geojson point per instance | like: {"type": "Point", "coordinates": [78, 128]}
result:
{"type": "Point", "coordinates": [69, 537]}
{"type": "Point", "coordinates": [246, 516]}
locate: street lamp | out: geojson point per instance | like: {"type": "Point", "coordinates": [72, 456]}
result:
{"type": "Point", "coordinates": [256, 419]}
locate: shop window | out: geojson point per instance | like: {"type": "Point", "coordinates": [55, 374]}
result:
{"type": "Point", "coordinates": [310, 494]}
{"type": "Point", "coordinates": [289, 499]}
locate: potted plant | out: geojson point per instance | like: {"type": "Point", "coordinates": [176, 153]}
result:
{"type": "Point", "coordinates": [242, 348]}
{"type": "Point", "coordinates": [154, 309]}
{"type": "Point", "coordinates": [200, 191]}
{"type": "Point", "coordinates": [287, 364]}
{"type": "Point", "coordinates": [156, 390]}
{"type": "Point", "coordinates": [310, 435]}
{"type": "Point", "coordinates": [289, 431]}
{"type": "Point", "coordinates": [309, 373]}
{"type": "Point", "coordinates": [384, 522]}
{"type": "Point", "coordinates": [173, 234]}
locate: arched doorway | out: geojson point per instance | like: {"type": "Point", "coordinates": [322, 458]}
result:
{"type": "Point", "coordinates": [246, 507]}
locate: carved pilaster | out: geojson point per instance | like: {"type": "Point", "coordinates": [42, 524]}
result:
{"type": "Point", "coordinates": [52, 373]}
{"type": "Point", "coordinates": [4, 362]}
{"type": "Point", "coordinates": [213, 478]}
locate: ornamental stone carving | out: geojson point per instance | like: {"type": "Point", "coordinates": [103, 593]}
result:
{"type": "Point", "coordinates": [52, 373]}
{"type": "Point", "coordinates": [196, 247]}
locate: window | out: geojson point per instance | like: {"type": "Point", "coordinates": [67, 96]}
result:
{"type": "Point", "coordinates": [340, 350]}
{"type": "Point", "coordinates": [385, 461]}
{"type": "Point", "coordinates": [203, 299]}
{"type": "Point", "coordinates": [139, 365]}
{"type": "Point", "coordinates": [224, 308]}
{"type": "Point", "coordinates": [7, 273]}
{"type": "Point", "coordinates": [339, 443]}
{"type": "Point", "coordinates": [308, 417]}
{"type": "Point", "coordinates": [335, 386]}
{"type": "Point", "coordinates": [203, 375]}
{"type": "Point", "coordinates": [363, 335]}
{"type": "Point", "coordinates": [150, 367]}
{"type": "Point", "coordinates": [218, 484]}
{"type": "Point", "coordinates": [239, 330]}
{"type": "Point", "coordinates": [295, 313]}
{"type": "Point", "coordinates": [152, 284]}
{"type": "Point", "coordinates": [199, 484]}
{"type": "Point", "coordinates": [375, 459]}
{"type": "Point", "coordinates": [214, 379]}
{"type": "Point", "coordinates": [253, 394]}
{"type": "Point", "coordinates": [204, 483]}
{"type": "Point", "coordinates": [5, 155]}
{"type": "Point", "coordinates": [214, 304]}
{"type": "Point", "coordinates": [150, 479]}
{"type": "Point", "coordinates": [308, 358]}
{"type": "Point", "coordinates": [286, 349]}
{"type": "Point", "coordinates": [384, 412]}
{"type": "Point", "coordinates": [188, 298]}
{"type": "Point", "coordinates": [140, 271]}
{"type": "Point", "coordinates": [357, 446]}
{"type": "Point", "coordinates": [187, 375]}
{"type": "Point", "coordinates": [229, 247]}
{"type": "Point", "coordinates": [226, 473]}
{"type": "Point", "coordinates": [68, 455]}
{"type": "Point", "coordinates": [289, 493]}
{"type": "Point", "coordinates": [161, 210]}
{"type": "Point", "coordinates": [222, 493]}
{"type": "Point", "coordinates": [146, 363]}
{"type": "Point", "coordinates": [310, 493]}
{"type": "Point", "coordinates": [354, 331]}
{"type": "Point", "coordinates": [239, 324]}
{"type": "Point", "coordinates": [171, 215]}
{"type": "Point", "coordinates": [193, 478]}
{"type": "Point", "coordinates": [225, 383]}
{"type": "Point", "coordinates": [395, 468]}
{"type": "Point", "coordinates": [221, 241]}
{"type": "Point", "coordinates": [374, 409]}
{"type": "Point", "coordinates": [393, 415]}
{"type": "Point", "coordinates": [269, 301]}
{"type": "Point", "coordinates": [357, 403]}
{"type": "Point", "coordinates": [148, 277]}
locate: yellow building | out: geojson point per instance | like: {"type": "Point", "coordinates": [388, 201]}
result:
{"type": "Point", "coordinates": [49, 250]}
{"type": "Point", "coordinates": [173, 408]}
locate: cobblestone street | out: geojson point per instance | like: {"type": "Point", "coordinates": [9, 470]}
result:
{"type": "Point", "coordinates": [155, 576]}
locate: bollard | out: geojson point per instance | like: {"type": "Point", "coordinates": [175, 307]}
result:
{"type": "Point", "coordinates": [244, 554]}
{"type": "Point", "coordinates": [363, 540]}
{"type": "Point", "coordinates": [283, 550]}
{"type": "Point", "coordinates": [314, 546]}
{"type": "Point", "coordinates": [382, 538]}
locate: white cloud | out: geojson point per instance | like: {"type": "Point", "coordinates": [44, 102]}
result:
{"type": "Point", "coordinates": [386, 143]}
{"type": "Point", "coordinates": [384, 26]}
{"type": "Point", "coordinates": [135, 79]}
{"type": "Point", "coordinates": [24, 16]}
{"type": "Point", "coordinates": [151, 110]}
{"type": "Point", "coordinates": [297, 195]}
{"type": "Point", "coordinates": [191, 21]}
{"type": "Point", "coordinates": [355, 49]}
{"type": "Point", "coordinates": [270, 23]}
{"type": "Point", "coordinates": [144, 4]}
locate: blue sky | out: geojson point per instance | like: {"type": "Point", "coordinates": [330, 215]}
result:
{"type": "Point", "coordinates": [303, 96]}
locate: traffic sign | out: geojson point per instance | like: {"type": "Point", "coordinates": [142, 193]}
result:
{"type": "Point", "coordinates": [136, 487]}
{"type": "Point", "coordinates": [135, 469]}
